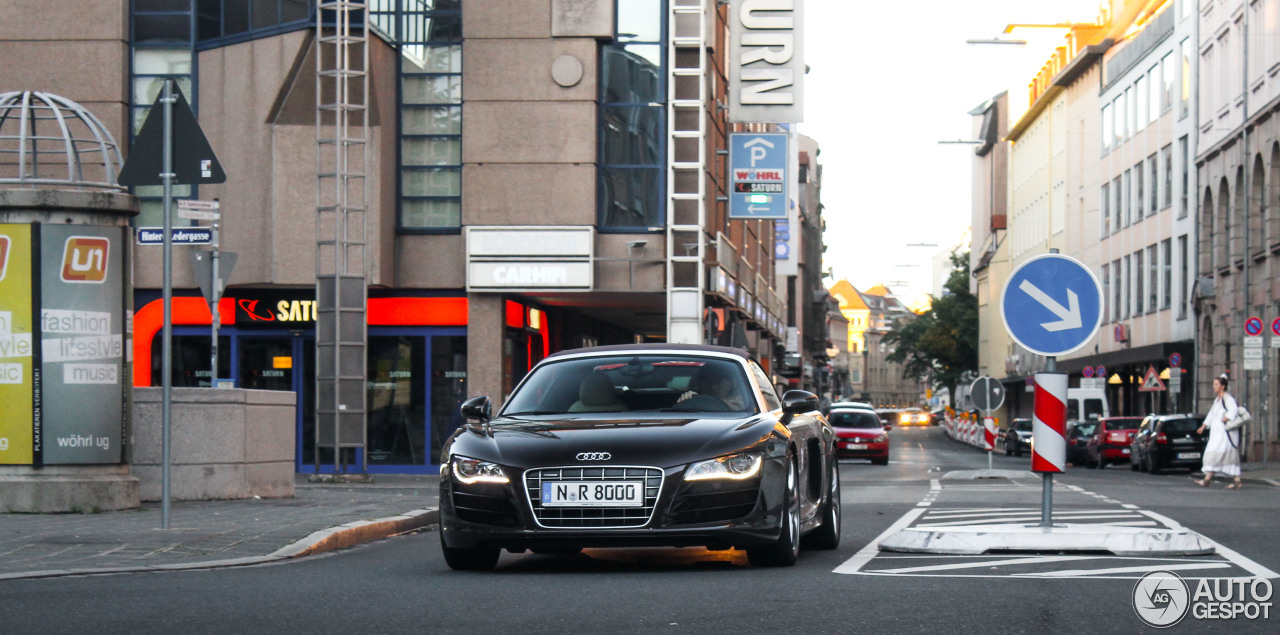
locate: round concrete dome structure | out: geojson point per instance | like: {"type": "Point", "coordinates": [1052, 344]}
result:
{"type": "Point", "coordinates": [47, 140]}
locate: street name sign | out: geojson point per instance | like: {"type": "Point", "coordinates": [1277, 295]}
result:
{"type": "Point", "coordinates": [1051, 304]}
{"type": "Point", "coordinates": [198, 210]}
{"type": "Point", "coordinates": [178, 235]}
{"type": "Point", "coordinates": [758, 176]}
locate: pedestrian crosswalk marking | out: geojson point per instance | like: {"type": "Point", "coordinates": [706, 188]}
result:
{"type": "Point", "coordinates": [1164, 566]}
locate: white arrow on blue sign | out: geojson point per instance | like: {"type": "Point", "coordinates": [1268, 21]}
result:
{"type": "Point", "coordinates": [1051, 304]}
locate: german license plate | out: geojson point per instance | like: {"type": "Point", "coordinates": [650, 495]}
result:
{"type": "Point", "coordinates": [593, 494]}
{"type": "Point", "coordinates": [1188, 455]}
{"type": "Point", "coordinates": [855, 446]}
{"type": "Point", "coordinates": [1124, 451]}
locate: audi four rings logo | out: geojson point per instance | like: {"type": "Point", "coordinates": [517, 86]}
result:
{"type": "Point", "coordinates": [594, 456]}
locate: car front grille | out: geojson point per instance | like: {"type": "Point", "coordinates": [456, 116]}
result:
{"type": "Point", "coordinates": [713, 501]}
{"type": "Point", "coordinates": [592, 517]}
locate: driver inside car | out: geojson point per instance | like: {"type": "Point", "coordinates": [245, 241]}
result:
{"type": "Point", "coordinates": [716, 384]}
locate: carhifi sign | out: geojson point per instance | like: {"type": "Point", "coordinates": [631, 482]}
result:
{"type": "Point", "coordinates": [510, 258]}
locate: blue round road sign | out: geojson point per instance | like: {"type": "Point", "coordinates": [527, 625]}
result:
{"type": "Point", "coordinates": [1253, 326]}
{"type": "Point", "coordinates": [1275, 326]}
{"type": "Point", "coordinates": [1087, 372]}
{"type": "Point", "coordinates": [1175, 360]}
{"type": "Point", "coordinates": [1051, 304]}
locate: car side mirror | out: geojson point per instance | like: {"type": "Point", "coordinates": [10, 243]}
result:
{"type": "Point", "coordinates": [887, 427]}
{"type": "Point", "coordinates": [798, 401]}
{"type": "Point", "coordinates": [477, 408]}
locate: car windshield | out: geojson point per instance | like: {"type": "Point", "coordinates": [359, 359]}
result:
{"type": "Point", "coordinates": [1022, 424]}
{"type": "Point", "coordinates": [1180, 426]}
{"type": "Point", "coordinates": [854, 419]}
{"type": "Point", "coordinates": [631, 383]}
{"type": "Point", "coordinates": [1086, 429]}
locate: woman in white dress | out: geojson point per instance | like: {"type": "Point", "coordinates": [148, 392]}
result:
{"type": "Point", "coordinates": [1222, 452]}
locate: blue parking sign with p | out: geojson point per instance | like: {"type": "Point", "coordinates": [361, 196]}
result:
{"type": "Point", "coordinates": [757, 175]}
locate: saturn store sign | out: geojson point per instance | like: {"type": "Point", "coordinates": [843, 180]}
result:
{"type": "Point", "coordinates": [530, 258]}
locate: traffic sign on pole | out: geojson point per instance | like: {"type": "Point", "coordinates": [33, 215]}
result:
{"type": "Point", "coordinates": [986, 393]}
{"type": "Point", "coordinates": [1253, 326]}
{"type": "Point", "coordinates": [758, 175]}
{"type": "Point", "coordinates": [1051, 304]}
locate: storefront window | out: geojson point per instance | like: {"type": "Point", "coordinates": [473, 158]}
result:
{"type": "Point", "coordinates": [448, 388]}
{"type": "Point", "coordinates": [266, 363]}
{"type": "Point", "coordinates": [190, 360]}
{"type": "Point", "coordinates": [397, 395]}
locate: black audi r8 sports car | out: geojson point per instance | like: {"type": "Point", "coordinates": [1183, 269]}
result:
{"type": "Point", "coordinates": [641, 445]}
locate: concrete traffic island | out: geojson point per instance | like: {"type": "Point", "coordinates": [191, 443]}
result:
{"type": "Point", "coordinates": [1021, 538]}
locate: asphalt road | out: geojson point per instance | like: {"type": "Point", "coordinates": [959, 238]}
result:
{"type": "Point", "coordinates": [402, 584]}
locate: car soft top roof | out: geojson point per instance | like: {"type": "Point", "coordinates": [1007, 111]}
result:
{"type": "Point", "coordinates": [654, 348]}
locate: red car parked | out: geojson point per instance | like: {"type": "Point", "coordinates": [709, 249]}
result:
{"type": "Point", "coordinates": [860, 434]}
{"type": "Point", "coordinates": [1110, 443]}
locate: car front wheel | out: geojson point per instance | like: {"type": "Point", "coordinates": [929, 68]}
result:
{"type": "Point", "coordinates": [786, 550]}
{"type": "Point", "coordinates": [469, 559]}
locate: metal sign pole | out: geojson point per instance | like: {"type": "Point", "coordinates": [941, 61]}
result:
{"type": "Point", "coordinates": [215, 316]}
{"type": "Point", "coordinates": [166, 357]}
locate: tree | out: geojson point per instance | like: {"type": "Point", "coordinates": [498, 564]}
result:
{"type": "Point", "coordinates": [941, 344]}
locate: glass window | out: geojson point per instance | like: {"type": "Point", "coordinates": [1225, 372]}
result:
{"type": "Point", "coordinates": [1141, 102]}
{"type": "Point", "coordinates": [1168, 76]}
{"type": "Point", "coordinates": [266, 363]}
{"type": "Point", "coordinates": [190, 359]}
{"type": "Point", "coordinates": [1104, 199]}
{"type": "Point", "coordinates": [1166, 190]}
{"type": "Point", "coordinates": [396, 432]}
{"type": "Point", "coordinates": [1118, 105]}
{"type": "Point", "coordinates": [1184, 151]}
{"type": "Point", "coordinates": [1106, 293]}
{"type": "Point", "coordinates": [1131, 110]}
{"type": "Point", "coordinates": [1138, 207]}
{"type": "Point", "coordinates": [1117, 207]}
{"type": "Point", "coordinates": [1166, 270]}
{"type": "Point", "coordinates": [771, 400]}
{"type": "Point", "coordinates": [1118, 292]}
{"type": "Point", "coordinates": [1153, 279]}
{"type": "Point", "coordinates": [161, 47]}
{"type": "Point", "coordinates": [244, 19]}
{"type": "Point", "coordinates": [428, 37]}
{"type": "Point", "coordinates": [448, 388]}
{"type": "Point", "coordinates": [1153, 177]}
{"type": "Point", "coordinates": [1108, 132]}
{"type": "Point", "coordinates": [1128, 283]}
{"type": "Point", "coordinates": [1152, 104]}
{"type": "Point", "coordinates": [1184, 100]}
{"type": "Point", "coordinates": [632, 120]}
{"type": "Point", "coordinates": [1184, 259]}
{"type": "Point", "coordinates": [1139, 274]}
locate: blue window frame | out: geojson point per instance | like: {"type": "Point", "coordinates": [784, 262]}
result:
{"type": "Point", "coordinates": [222, 22]}
{"type": "Point", "coordinates": [428, 36]}
{"type": "Point", "coordinates": [161, 33]}
{"type": "Point", "coordinates": [631, 190]}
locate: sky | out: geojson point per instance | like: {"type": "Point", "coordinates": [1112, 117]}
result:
{"type": "Point", "coordinates": [887, 81]}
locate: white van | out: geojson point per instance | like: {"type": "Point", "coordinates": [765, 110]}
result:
{"type": "Point", "coordinates": [1087, 404]}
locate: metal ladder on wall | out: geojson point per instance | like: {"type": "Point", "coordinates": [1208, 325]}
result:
{"type": "Point", "coordinates": [342, 159]}
{"type": "Point", "coordinates": [686, 178]}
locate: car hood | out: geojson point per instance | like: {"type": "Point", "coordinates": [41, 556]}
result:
{"type": "Point", "coordinates": [866, 432]}
{"type": "Point", "coordinates": [660, 441]}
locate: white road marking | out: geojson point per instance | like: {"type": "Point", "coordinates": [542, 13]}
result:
{"type": "Point", "coordinates": [864, 555]}
{"type": "Point", "coordinates": [984, 563]}
{"type": "Point", "coordinates": [1076, 573]}
{"type": "Point", "coordinates": [1005, 511]}
{"type": "Point", "coordinates": [1060, 516]}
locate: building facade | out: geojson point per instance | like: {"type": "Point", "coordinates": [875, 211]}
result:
{"type": "Point", "coordinates": [531, 176]}
{"type": "Point", "coordinates": [1237, 171]}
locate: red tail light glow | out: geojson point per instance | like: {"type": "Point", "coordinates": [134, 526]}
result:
{"type": "Point", "coordinates": [1161, 438]}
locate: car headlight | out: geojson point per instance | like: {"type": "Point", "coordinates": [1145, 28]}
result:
{"type": "Point", "coordinates": [880, 439]}
{"type": "Point", "coordinates": [734, 467]}
{"type": "Point", "coordinates": [472, 471]}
